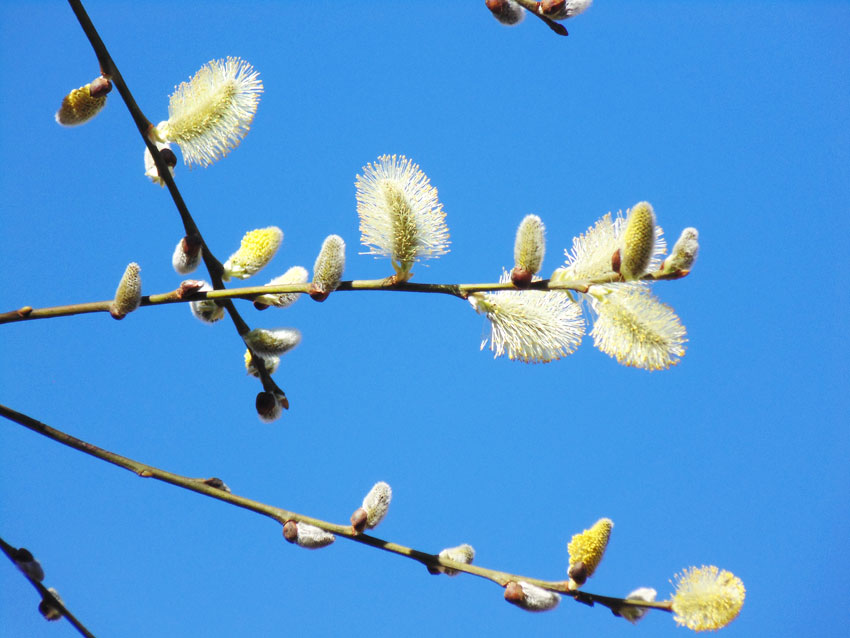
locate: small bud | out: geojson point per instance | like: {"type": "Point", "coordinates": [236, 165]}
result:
{"type": "Point", "coordinates": [81, 105]}
{"type": "Point", "coordinates": [217, 483]}
{"type": "Point", "coordinates": [48, 608]}
{"type": "Point", "coordinates": [295, 275]}
{"type": "Point", "coordinates": [187, 254]}
{"type": "Point", "coordinates": [638, 241]}
{"type": "Point", "coordinates": [563, 9]}
{"type": "Point", "coordinates": [375, 506]}
{"type": "Point", "coordinates": [207, 310]}
{"type": "Point", "coordinates": [328, 269]}
{"type": "Point", "coordinates": [461, 554]}
{"type": "Point", "coordinates": [150, 166]}
{"type": "Point", "coordinates": [529, 249]}
{"type": "Point", "coordinates": [358, 519]}
{"type": "Point", "coordinates": [271, 364]}
{"type": "Point", "coordinates": [634, 614]}
{"type": "Point", "coordinates": [128, 295]}
{"type": "Point", "coordinates": [531, 597]}
{"type": "Point", "coordinates": [270, 405]}
{"type": "Point", "coordinates": [684, 253]}
{"type": "Point", "coordinates": [586, 551]}
{"type": "Point", "coordinates": [272, 343]}
{"type": "Point", "coordinates": [256, 251]}
{"type": "Point", "coordinates": [307, 536]}
{"type": "Point", "coordinates": [506, 11]}
{"type": "Point", "coordinates": [27, 563]}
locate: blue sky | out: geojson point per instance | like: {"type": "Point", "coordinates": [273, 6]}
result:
{"type": "Point", "coordinates": [730, 117]}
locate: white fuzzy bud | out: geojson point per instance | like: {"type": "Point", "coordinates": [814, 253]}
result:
{"type": "Point", "coordinates": [187, 255]}
{"type": "Point", "coordinates": [206, 310]}
{"type": "Point", "coordinates": [307, 536]}
{"type": "Point", "coordinates": [328, 269]}
{"type": "Point", "coordinates": [272, 343]}
{"type": "Point", "coordinates": [376, 504]}
{"type": "Point", "coordinates": [684, 252]}
{"type": "Point", "coordinates": [295, 275]}
{"type": "Point", "coordinates": [461, 554]}
{"type": "Point", "coordinates": [634, 614]}
{"type": "Point", "coordinates": [531, 597]}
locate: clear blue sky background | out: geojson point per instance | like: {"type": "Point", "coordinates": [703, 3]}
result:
{"type": "Point", "coordinates": [729, 116]}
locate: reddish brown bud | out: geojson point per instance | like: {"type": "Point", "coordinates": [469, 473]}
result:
{"type": "Point", "coordinates": [522, 278]}
{"type": "Point", "coordinates": [578, 573]}
{"type": "Point", "coordinates": [168, 157]}
{"type": "Point", "coordinates": [24, 312]}
{"type": "Point", "coordinates": [100, 87]}
{"type": "Point", "coordinates": [317, 294]}
{"type": "Point", "coordinates": [189, 287]}
{"type": "Point", "coordinates": [290, 531]}
{"type": "Point", "coordinates": [358, 519]}
{"type": "Point", "coordinates": [554, 9]}
{"type": "Point", "coordinates": [615, 261]}
{"type": "Point", "coordinates": [514, 593]}
{"type": "Point", "coordinates": [217, 483]}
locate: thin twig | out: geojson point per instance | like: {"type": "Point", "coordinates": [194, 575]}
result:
{"type": "Point", "coordinates": [46, 594]}
{"type": "Point", "coordinates": [282, 516]}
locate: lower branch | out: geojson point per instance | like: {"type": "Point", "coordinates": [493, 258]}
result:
{"type": "Point", "coordinates": [215, 488]}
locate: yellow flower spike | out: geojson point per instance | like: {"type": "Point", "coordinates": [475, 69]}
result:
{"type": "Point", "coordinates": [82, 104]}
{"type": "Point", "coordinates": [256, 251]}
{"type": "Point", "coordinates": [707, 598]}
{"type": "Point", "coordinates": [586, 551]}
{"type": "Point", "coordinates": [638, 241]}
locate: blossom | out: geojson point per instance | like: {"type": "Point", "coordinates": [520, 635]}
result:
{"type": "Point", "coordinates": [209, 115]}
{"type": "Point", "coordinates": [684, 253]}
{"type": "Point", "coordinates": [206, 310]}
{"type": "Point", "coordinates": [82, 104]}
{"type": "Point", "coordinates": [634, 614]}
{"type": "Point", "coordinates": [707, 598]}
{"type": "Point", "coordinates": [272, 343]}
{"type": "Point", "coordinates": [638, 241]}
{"type": "Point", "coordinates": [328, 269]}
{"type": "Point", "coordinates": [532, 325]}
{"type": "Point", "coordinates": [257, 249]}
{"type": "Point", "coordinates": [375, 506]}
{"type": "Point", "coordinates": [400, 215]}
{"type": "Point", "coordinates": [531, 597]}
{"type": "Point", "coordinates": [295, 275]}
{"type": "Point", "coordinates": [306, 535]}
{"type": "Point", "coordinates": [461, 554]}
{"type": "Point", "coordinates": [592, 251]}
{"type": "Point", "coordinates": [271, 362]}
{"type": "Point", "coordinates": [635, 328]}
{"type": "Point", "coordinates": [128, 295]}
{"type": "Point", "coordinates": [586, 551]}
{"type": "Point", "coordinates": [529, 249]}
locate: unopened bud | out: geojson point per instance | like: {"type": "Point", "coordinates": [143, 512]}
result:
{"type": "Point", "coordinates": [207, 310]}
{"type": "Point", "coordinates": [634, 614]}
{"type": "Point", "coordinates": [506, 11]}
{"type": "Point", "coordinates": [167, 154]}
{"type": "Point", "coordinates": [531, 597]}
{"type": "Point", "coordinates": [187, 254]}
{"type": "Point", "coordinates": [48, 608]}
{"type": "Point", "coordinates": [307, 536]}
{"type": "Point", "coordinates": [27, 563]}
{"type": "Point", "coordinates": [217, 483]}
{"type": "Point", "coordinates": [270, 405]}
{"type": "Point", "coordinates": [638, 241]}
{"type": "Point", "coordinates": [684, 253]}
{"type": "Point", "coordinates": [529, 249]}
{"type": "Point", "coordinates": [295, 275]}
{"type": "Point", "coordinates": [128, 295]}
{"type": "Point", "coordinates": [272, 343]}
{"type": "Point", "coordinates": [328, 269]}
{"type": "Point", "coordinates": [270, 362]}
{"type": "Point", "coordinates": [563, 9]}
{"type": "Point", "coordinates": [375, 506]}
{"type": "Point", "coordinates": [586, 551]}
{"type": "Point", "coordinates": [461, 554]}
{"type": "Point", "coordinates": [81, 105]}
{"type": "Point", "coordinates": [256, 251]}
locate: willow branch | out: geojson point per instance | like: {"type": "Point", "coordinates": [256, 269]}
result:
{"type": "Point", "coordinates": [27, 313]}
{"type": "Point", "coordinates": [215, 488]}
{"type": "Point", "coordinates": [110, 69]}
{"type": "Point", "coordinates": [46, 595]}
